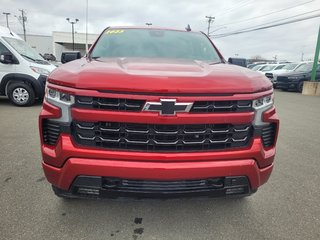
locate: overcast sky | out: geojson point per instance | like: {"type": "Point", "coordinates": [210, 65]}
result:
{"type": "Point", "coordinates": [287, 42]}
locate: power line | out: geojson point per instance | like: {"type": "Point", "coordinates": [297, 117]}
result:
{"type": "Point", "coordinates": [279, 20]}
{"type": "Point", "coordinates": [237, 6]}
{"type": "Point", "coordinates": [266, 27]}
{"type": "Point", "coordinates": [252, 18]}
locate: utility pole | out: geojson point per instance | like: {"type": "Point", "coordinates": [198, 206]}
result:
{"type": "Point", "coordinates": [210, 20]}
{"type": "Point", "coordinates": [302, 56]}
{"type": "Point", "coordinates": [7, 14]}
{"type": "Point", "coordinates": [316, 59]}
{"type": "Point", "coordinates": [72, 24]}
{"type": "Point", "coordinates": [87, 26]}
{"type": "Point", "coordinates": [275, 57]}
{"type": "Point", "coordinates": [22, 19]}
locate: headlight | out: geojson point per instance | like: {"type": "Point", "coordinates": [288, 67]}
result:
{"type": "Point", "coordinates": [260, 106]}
{"type": "Point", "coordinates": [62, 100]}
{"type": "Point", "coordinates": [41, 71]}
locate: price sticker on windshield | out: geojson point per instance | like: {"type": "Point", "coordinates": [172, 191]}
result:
{"type": "Point", "coordinates": [114, 31]}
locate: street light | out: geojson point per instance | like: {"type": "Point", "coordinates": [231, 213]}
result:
{"type": "Point", "coordinates": [7, 14]}
{"type": "Point", "coordinates": [72, 23]}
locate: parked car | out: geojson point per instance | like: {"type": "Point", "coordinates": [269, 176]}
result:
{"type": "Point", "coordinates": [70, 56]}
{"type": "Point", "coordinates": [270, 67]}
{"type": "Point", "coordinates": [161, 115]}
{"type": "Point", "coordinates": [290, 67]}
{"type": "Point", "coordinates": [294, 80]}
{"type": "Point", "coordinates": [23, 72]}
{"type": "Point", "coordinates": [259, 67]}
{"type": "Point", "coordinates": [49, 57]}
{"type": "Point", "coordinates": [252, 65]}
{"type": "Point", "coordinates": [238, 61]}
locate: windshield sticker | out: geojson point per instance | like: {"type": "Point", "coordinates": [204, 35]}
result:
{"type": "Point", "coordinates": [114, 31]}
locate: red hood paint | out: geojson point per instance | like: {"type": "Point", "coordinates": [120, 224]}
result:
{"type": "Point", "coordinates": [158, 76]}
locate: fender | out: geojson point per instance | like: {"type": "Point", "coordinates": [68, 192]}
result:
{"type": "Point", "coordinates": [37, 84]}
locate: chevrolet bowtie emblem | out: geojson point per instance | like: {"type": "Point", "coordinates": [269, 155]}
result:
{"type": "Point", "coordinates": [167, 107]}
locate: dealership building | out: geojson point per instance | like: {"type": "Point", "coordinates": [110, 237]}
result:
{"type": "Point", "coordinates": [60, 42]}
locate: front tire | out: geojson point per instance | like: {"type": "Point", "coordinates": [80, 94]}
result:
{"type": "Point", "coordinates": [300, 87]}
{"type": "Point", "coordinates": [21, 94]}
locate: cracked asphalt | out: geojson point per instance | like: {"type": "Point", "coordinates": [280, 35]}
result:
{"type": "Point", "coordinates": [287, 207]}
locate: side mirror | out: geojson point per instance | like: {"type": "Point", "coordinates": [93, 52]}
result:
{"type": "Point", "coordinates": [6, 58]}
{"type": "Point", "coordinates": [70, 56]}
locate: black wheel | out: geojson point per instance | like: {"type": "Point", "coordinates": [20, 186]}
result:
{"type": "Point", "coordinates": [300, 87]}
{"type": "Point", "coordinates": [21, 94]}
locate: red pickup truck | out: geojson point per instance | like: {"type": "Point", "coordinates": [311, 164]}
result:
{"type": "Point", "coordinates": [156, 113]}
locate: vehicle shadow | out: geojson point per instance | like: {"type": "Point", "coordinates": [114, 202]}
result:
{"type": "Point", "coordinates": [4, 101]}
{"type": "Point", "coordinates": [157, 219]}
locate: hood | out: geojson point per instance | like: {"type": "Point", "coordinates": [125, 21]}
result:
{"type": "Point", "coordinates": [158, 76]}
{"type": "Point", "coordinates": [295, 74]}
{"type": "Point", "coordinates": [279, 71]}
{"type": "Point", "coordinates": [50, 67]}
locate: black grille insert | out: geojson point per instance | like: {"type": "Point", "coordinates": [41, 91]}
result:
{"type": "Point", "coordinates": [161, 138]}
{"type": "Point", "coordinates": [221, 106]}
{"type": "Point", "coordinates": [113, 104]}
{"type": "Point", "coordinates": [268, 135]}
{"type": "Point", "coordinates": [282, 79]}
{"type": "Point", "coordinates": [162, 186]}
{"type": "Point", "coordinates": [50, 131]}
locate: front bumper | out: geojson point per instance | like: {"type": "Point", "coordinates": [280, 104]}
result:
{"type": "Point", "coordinates": [86, 177]}
{"type": "Point", "coordinates": [66, 161]}
{"type": "Point", "coordinates": [287, 85]}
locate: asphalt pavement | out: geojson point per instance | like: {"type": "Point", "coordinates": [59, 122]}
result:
{"type": "Point", "coordinates": [287, 207]}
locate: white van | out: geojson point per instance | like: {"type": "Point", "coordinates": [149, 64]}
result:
{"type": "Point", "coordinates": [23, 72]}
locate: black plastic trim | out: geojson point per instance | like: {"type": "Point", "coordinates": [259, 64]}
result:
{"type": "Point", "coordinates": [95, 187]}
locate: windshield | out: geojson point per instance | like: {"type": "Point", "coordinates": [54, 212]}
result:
{"type": "Point", "coordinates": [268, 68]}
{"type": "Point", "coordinates": [305, 67]}
{"type": "Point", "coordinates": [255, 68]}
{"type": "Point", "coordinates": [290, 66]}
{"type": "Point", "coordinates": [151, 43]}
{"type": "Point", "coordinates": [24, 49]}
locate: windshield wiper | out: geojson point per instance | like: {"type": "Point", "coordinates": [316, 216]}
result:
{"type": "Point", "coordinates": [41, 61]}
{"type": "Point", "coordinates": [213, 63]}
{"type": "Point", "coordinates": [23, 55]}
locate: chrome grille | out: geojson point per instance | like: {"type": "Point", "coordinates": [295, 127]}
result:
{"type": "Point", "coordinates": [121, 104]}
{"type": "Point", "coordinates": [163, 138]}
